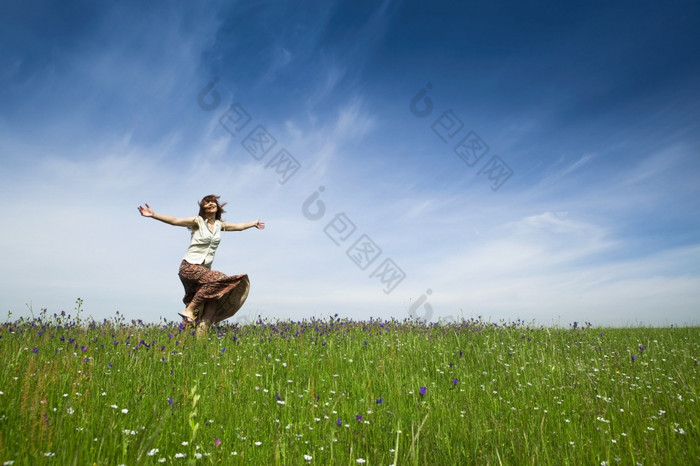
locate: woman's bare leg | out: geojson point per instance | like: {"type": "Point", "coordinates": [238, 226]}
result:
{"type": "Point", "coordinates": [207, 317]}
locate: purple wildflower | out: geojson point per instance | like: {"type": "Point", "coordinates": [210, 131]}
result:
{"type": "Point", "coordinates": [455, 381]}
{"type": "Point", "coordinates": [422, 391]}
{"type": "Point", "coordinates": [359, 418]}
{"type": "Point", "coordinates": [217, 442]}
{"type": "Point", "coordinates": [83, 348]}
{"type": "Point", "coordinates": [634, 358]}
{"type": "Point", "coordinates": [339, 422]}
{"type": "Point", "coordinates": [379, 400]}
{"type": "Point", "coordinates": [642, 348]}
{"type": "Point", "coordinates": [35, 350]}
{"type": "Point", "coordinates": [170, 401]}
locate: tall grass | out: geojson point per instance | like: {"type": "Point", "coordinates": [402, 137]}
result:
{"type": "Point", "coordinates": [335, 391]}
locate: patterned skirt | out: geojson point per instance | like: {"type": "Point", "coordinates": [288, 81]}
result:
{"type": "Point", "coordinates": [201, 284]}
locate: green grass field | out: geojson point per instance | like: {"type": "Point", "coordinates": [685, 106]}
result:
{"type": "Point", "coordinates": [335, 391]}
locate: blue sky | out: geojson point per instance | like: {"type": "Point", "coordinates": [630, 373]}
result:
{"type": "Point", "coordinates": [580, 204]}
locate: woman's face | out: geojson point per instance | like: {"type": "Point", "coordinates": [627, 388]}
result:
{"type": "Point", "coordinates": [210, 207]}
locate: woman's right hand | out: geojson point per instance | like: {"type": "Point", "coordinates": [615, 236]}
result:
{"type": "Point", "coordinates": [146, 211]}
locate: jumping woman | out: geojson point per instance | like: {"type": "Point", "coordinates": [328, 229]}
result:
{"type": "Point", "coordinates": [210, 296]}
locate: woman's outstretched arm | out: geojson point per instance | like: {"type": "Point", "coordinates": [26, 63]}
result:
{"type": "Point", "coordinates": [244, 226]}
{"type": "Point", "coordinates": [178, 222]}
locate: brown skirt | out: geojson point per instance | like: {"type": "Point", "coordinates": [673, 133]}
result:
{"type": "Point", "coordinates": [201, 284]}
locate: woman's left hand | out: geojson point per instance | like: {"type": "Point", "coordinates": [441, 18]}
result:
{"type": "Point", "coordinates": [259, 225]}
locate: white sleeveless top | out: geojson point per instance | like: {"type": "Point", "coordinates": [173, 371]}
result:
{"type": "Point", "coordinates": [203, 243]}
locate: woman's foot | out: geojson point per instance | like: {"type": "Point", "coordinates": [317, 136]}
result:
{"type": "Point", "coordinates": [187, 316]}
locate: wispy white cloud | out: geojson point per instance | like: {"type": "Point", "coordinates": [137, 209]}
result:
{"type": "Point", "coordinates": [506, 279]}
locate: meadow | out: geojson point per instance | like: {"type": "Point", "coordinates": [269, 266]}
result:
{"type": "Point", "coordinates": [336, 391]}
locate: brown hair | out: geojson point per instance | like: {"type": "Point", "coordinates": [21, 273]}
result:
{"type": "Point", "coordinates": [219, 207]}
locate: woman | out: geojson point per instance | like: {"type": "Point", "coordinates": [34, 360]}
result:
{"type": "Point", "coordinates": [210, 296]}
